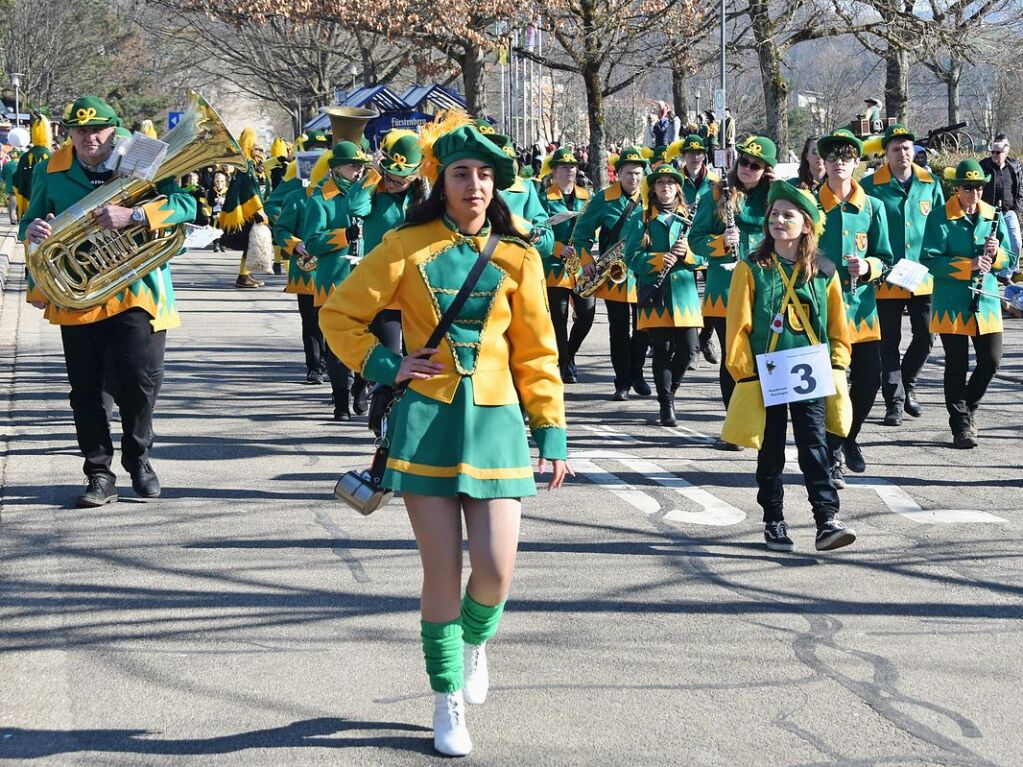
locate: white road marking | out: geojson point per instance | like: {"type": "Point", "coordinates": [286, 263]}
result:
{"type": "Point", "coordinates": [899, 501]}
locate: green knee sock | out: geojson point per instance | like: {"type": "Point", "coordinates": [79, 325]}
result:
{"type": "Point", "coordinates": [442, 648]}
{"type": "Point", "coordinates": [479, 622]}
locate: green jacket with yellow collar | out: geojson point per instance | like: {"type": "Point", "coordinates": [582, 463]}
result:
{"type": "Point", "coordinates": [60, 182]}
{"type": "Point", "coordinates": [554, 202]}
{"type": "Point", "coordinates": [523, 201]}
{"type": "Point", "coordinates": [603, 212]}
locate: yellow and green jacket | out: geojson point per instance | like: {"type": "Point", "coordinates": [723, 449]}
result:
{"type": "Point", "coordinates": [707, 241]}
{"type": "Point", "coordinates": [379, 210]}
{"type": "Point", "coordinates": [856, 227]}
{"type": "Point", "coordinates": [59, 183]}
{"type": "Point", "coordinates": [323, 232]}
{"type": "Point", "coordinates": [951, 241]}
{"type": "Point", "coordinates": [755, 299]}
{"type": "Point", "coordinates": [287, 234]}
{"type": "Point", "coordinates": [907, 217]}
{"type": "Point", "coordinates": [680, 307]}
{"type": "Point", "coordinates": [554, 202]}
{"type": "Point", "coordinates": [693, 190]}
{"type": "Point", "coordinates": [503, 338]}
{"type": "Point", "coordinates": [275, 201]}
{"type": "Point", "coordinates": [523, 201]}
{"type": "Point", "coordinates": [23, 176]}
{"type": "Point", "coordinates": [602, 213]}
{"type": "Point", "coordinates": [243, 201]}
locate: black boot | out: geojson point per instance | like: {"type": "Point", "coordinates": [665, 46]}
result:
{"type": "Point", "coordinates": [667, 403]}
{"type": "Point", "coordinates": [341, 400]}
{"type": "Point", "coordinates": [360, 396]}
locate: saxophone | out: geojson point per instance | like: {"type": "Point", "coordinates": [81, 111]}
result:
{"type": "Point", "coordinates": [608, 266]}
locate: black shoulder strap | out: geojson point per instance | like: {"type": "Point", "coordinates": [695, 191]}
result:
{"type": "Point", "coordinates": [463, 293]}
{"type": "Point", "coordinates": [612, 235]}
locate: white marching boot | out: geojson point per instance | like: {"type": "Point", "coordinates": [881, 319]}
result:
{"type": "Point", "coordinates": [475, 675]}
{"type": "Point", "coordinates": [450, 735]}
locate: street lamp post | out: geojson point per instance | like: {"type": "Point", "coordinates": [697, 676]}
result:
{"type": "Point", "coordinates": [16, 82]}
{"type": "Point", "coordinates": [699, 95]}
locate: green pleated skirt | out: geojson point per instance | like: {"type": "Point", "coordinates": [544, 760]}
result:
{"type": "Point", "coordinates": [463, 448]}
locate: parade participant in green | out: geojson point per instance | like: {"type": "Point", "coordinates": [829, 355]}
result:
{"type": "Point", "coordinates": [444, 455]}
{"type": "Point", "coordinates": [724, 246]}
{"type": "Point", "coordinates": [657, 252]}
{"type": "Point", "coordinates": [788, 296]}
{"type": "Point", "coordinates": [380, 203]}
{"type": "Point", "coordinates": [962, 251]}
{"type": "Point", "coordinates": [7, 176]}
{"type": "Point", "coordinates": [855, 239]}
{"type": "Point", "coordinates": [608, 211]}
{"type": "Point", "coordinates": [41, 135]}
{"type": "Point", "coordinates": [561, 193]}
{"type": "Point", "coordinates": [909, 193]}
{"type": "Point", "coordinates": [129, 330]}
{"type": "Point", "coordinates": [811, 167]}
{"type": "Point", "coordinates": [243, 207]}
{"type": "Point", "coordinates": [325, 240]}
{"type": "Point", "coordinates": [523, 200]}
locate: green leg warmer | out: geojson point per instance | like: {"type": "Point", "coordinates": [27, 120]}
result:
{"type": "Point", "coordinates": [442, 648]}
{"type": "Point", "coordinates": [479, 622]}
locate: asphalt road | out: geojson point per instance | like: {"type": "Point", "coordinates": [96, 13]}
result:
{"type": "Point", "coordinates": [247, 618]}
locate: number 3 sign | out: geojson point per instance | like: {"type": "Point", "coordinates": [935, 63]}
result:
{"type": "Point", "coordinates": [794, 375]}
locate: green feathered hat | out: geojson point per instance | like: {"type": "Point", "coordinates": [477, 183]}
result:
{"type": "Point", "coordinates": [838, 137]}
{"type": "Point", "coordinates": [468, 143]}
{"type": "Point", "coordinates": [563, 156]}
{"type": "Point", "coordinates": [403, 157]}
{"type": "Point", "coordinates": [693, 143]}
{"type": "Point", "coordinates": [667, 170]}
{"type": "Point", "coordinates": [316, 139]}
{"type": "Point", "coordinates": [632, 154]}
{"type": "Point", "coordinates": [484, 126]}
{"type": "Point", "coordinates": [504, 143]}
{"type": "Point", "coordinates": [897, 131]}
{"type": "Point", "coordinates": [759, 148]}
{"type": "Point", "coordinates": [969, 172]}
{"type": "Point", "coordinates": [347, 153]}
{"type": "Point", "coordinates": [89, 111]}
{"type": "Point", "coordinates": [804, 200]}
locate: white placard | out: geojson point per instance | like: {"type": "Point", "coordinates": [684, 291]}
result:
{"type": "Point", "coordinates": [794, 375]}
{"type": "Point", "coordinates": [139, 156]}
{"type": "Point", "coordinates": [200, 236]}
{"type": "Point", "coordinates": [721, 158]}
{"type": "Point", "coordinates": [907, 274]}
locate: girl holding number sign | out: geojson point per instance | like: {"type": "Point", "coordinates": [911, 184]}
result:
{"type": "Point", "coordinates": [788, 298]}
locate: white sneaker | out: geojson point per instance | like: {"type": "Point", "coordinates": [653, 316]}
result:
{"type": "Point", "coordinates": [476, 678]}
{"type": "Point", "coordinates": [450, 735]}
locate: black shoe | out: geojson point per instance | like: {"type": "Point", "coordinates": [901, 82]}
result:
{"type": "Point", "coordinates": [342, 415]}
{"type": "Point", "coordinates": [837, 477]}
{"type": "Point", "coordinates": [144, 481]}
{"type": "Point", "coordinates": [568, 375]}
{"type": "Point", "coordinates": [620, 395]}
{"type": "Point", "coordinates": [360, 401]}
{"type": "Point", "coordinates": [667, 412]}
{"type": "Point", "coordinates": [963, 439]}
{"type": "Point", "coordinates": [100, 490]}
{"type": "Point", "coordinates": [710, 351]}
{"type": "Point", "coordinates": [776, 536]}
{"type": "Point", "coordinates": [893, 414]}
{"type": "Point", "coordinates": [720, 444]}
{"type": "Point", "coordinates": [314, 377]}
{"type": "Point", "coordinates": [854, 457]}
{"type": "Point", "coordinates": [834, 535]}
{"type": "Point", "coordinates": [278, 269]}
{"type": "Point", "coordinates": [912, 404]}
{"type": "Point", "coordinates": [641, 387]}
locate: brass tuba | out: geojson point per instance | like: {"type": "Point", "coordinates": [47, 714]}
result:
{"type": "Point", "coordinates": [607, 266]}
{"type": "Point", "coordinates": [80, 265]}
{"type": "Point", "coordinates": [349, 123]}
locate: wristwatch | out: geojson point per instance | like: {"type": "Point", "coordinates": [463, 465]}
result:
{"type": "Point", "coordinates": [138, 216]}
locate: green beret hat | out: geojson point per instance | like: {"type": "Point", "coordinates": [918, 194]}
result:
{"type": "Point", "coordinates": [804, 200]}
{"type": "Point", "coordinates": [694, 143]}
{"type": "Point", "coordinates": [667, 170]}
{"type": "Point", "coordinates": [969, 172]}
{"type": "Point", "coordinates": [632, 154]}
{"type": "Point", "coordinates": [563, 156]}
{"type": "Point", "coordinates": [485, 126]}
{"type": "Point", "coordinates": [467, 142]}
{"type": "Point", "coordinates": [896, 131]}
{"type": "Point", "coordinates": [760, 148]}
{"type": "Point", "coordinates": [404, 157]}
{"type": "Point", "coordinates": [89, 111]}
{"type": "Point", "coordinates": [347, 153]}
{"type": "Point", "coordinates": [838, 137]}
{"type": "Point", "coordinates": [316, 139]}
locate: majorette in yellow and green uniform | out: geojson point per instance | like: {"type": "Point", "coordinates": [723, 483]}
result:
{"type": "Point", "coordinates": [60, 181]}
{"type": "Point", "coordinates": [42, 140]}
{"type": "Point", "coordinates": [500, 350]}
{"type": "Point", "coordinates": [952, 240]}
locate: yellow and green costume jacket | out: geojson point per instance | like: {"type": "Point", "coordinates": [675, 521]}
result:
{"type": "Point", "coordinates": [523, 201]}
{"type": "Point", "coordinates": [857, 227]}
{"type": "Point", "coordinates": [603, 212]}
{"type": "Point", "coordinates": [554, 202]}
{"type": "Point", "coordinates": [379, 210]}
{"type": "Point", "coordinates": [680, 307]}
{"type": "Point", "coordinates": [694, 189]}
{"type": "Point", "coordinates": [23, 176]}
{"type": "Point", "coordinates": [275, 202]}
{"type": "Point", "coordinates": [323, 232]}
{"type": "Point", "coordinates": [7, 176]}
{"type": "Point", "coordinates": [707, 241]}
{"type": "Point", "coordinates": [755, 299]}
{"type": "Point", "coordinates": [503, 337]}
{"type": "Point", "coordinates": [951, 241]}
{"type": "Point", "coordinates": [907, 217]}
{"type": "Point", "coordinates": [287, 234]}
{"type": "Point", "coordinates": [59, 183]}
{"type": "Point", "coordinates": [243, 201]}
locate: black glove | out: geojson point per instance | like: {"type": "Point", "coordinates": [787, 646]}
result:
{"type": "Point", "coordinates": [353, 232]}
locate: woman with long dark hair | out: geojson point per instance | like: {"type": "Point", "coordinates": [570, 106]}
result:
{"type": "Point", "coordinates": [457, 443]}
{"type": "Point", "coordinates": [811, 167]}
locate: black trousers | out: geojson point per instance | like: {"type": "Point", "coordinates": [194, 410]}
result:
{"type": "Point", "coordinates": [342, 380]}
{"type": "Point", "coordinates": [628, 345]}
{"type": "Point", "coordinates": [898, 377]}
{"type": "Point", "coordinates": [386, 326]}
{"type": "Point", "coordinates": [814, 461]}
{"type": "Point", "coordinates": [864, 383]}
{"type": "Point", "coordinates": [673, 349]}
{"type": "Point", "coordinates": [585, 311]}
{"type": "Point", "coordinates": [312, 337]}
{"type": "Point", "coordinates": [962, 396]}
{"type": "Point", "coordinates": [127, 344]}
{"type": "Point", "coordinates": [725, 380]}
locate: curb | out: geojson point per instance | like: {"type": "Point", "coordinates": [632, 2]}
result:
{"type": "Point", "coordinates": [7, 246]}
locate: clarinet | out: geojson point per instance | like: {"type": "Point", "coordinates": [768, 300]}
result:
{"type": "Point", "coordinates": [652, 293]}
{"type": "Point", "coordinates": [854, 279]}
{"type": "Point", "coordinates": [978, 279]}
{"type": "Point", "coordinates": [726, 190]}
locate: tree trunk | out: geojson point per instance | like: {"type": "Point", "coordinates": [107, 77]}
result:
{"type": "Point", "coordinates": [896, 87]}
{"type": "Point", "coordinates": [597, 167]}
{"type": "Point", "coordinates": [678, 90]}
{"type": "Point", "coordinates": [776, 90]}
{"type": "Point", "coordinates": [473, 69]}
{"type": "Point", "coordinates": [955, 74]}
